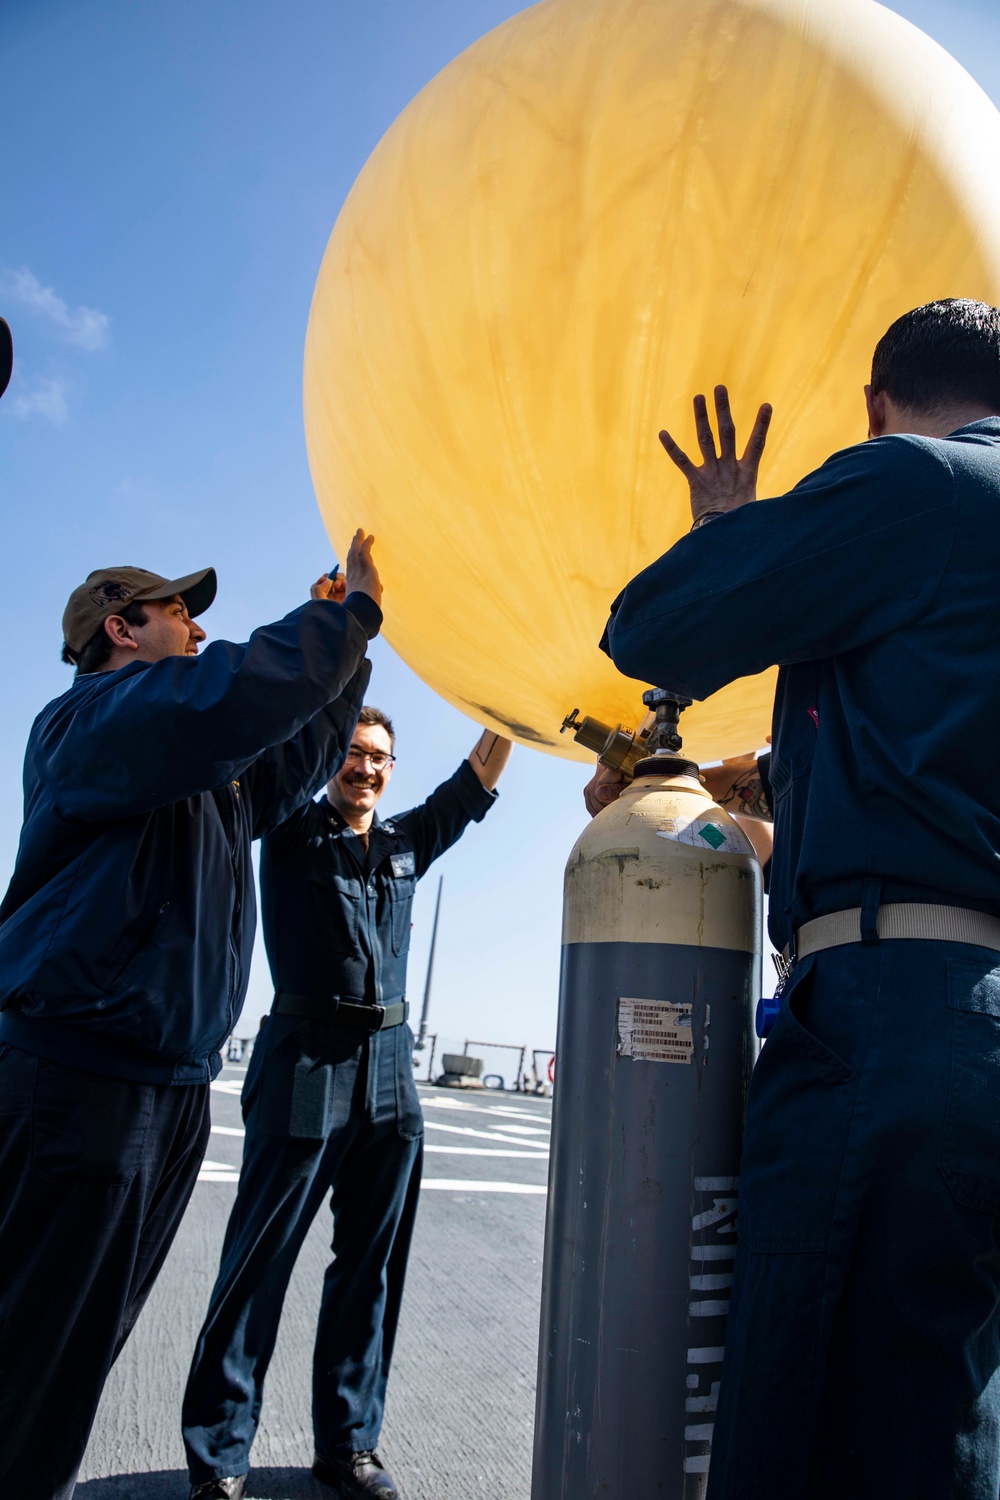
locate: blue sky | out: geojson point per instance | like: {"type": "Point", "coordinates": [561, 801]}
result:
{"type": "Point", "coordinates": [172, 173]}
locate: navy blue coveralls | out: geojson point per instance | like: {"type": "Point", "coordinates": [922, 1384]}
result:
{"type": "Point", "coordinates": [327, 1106]}
{"type": "Point", "coordinates": [863, 1349]}
{"type": "Point", "coordinates": [125, 943]}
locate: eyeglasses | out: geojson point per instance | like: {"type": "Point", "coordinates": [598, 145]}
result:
{"type": "Point", "coordinates": [378, 761]}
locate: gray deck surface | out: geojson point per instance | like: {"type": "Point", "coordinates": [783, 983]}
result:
{"type": "Point", "coordinates": [461, 1398]}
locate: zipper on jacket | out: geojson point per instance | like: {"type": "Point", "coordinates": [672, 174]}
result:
{"type": "Point", "coordinates": [227, 800]}
{"type": "Point", "coordinates": [138, 945]}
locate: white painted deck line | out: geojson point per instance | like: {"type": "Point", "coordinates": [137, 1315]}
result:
{"type": "Point", "coordinates": [484, 1135]}
{"type": "Point", "coordinates": [524, 1111]}
{"type": "Point", "coordinates": [468, 1185]}
{"type": "Point", "coordinates": [484, 1151]}
{"type": "Point", "coordinates": [216, 1173]}
{"type": "Point", "coordinates": [535, 1153]}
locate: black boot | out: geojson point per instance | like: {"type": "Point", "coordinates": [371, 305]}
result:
{"type": "Point", "coordinates": [356, 1476]}
{"type": "Point", "coordinates": [220, 1489]}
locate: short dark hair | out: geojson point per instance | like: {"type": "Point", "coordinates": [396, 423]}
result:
{"type": "Point", "coordinates": [97, 652]}
{"type": "Point", "coordinates": [369, 715]}
{"type": "Point", "coordinates": [941, 355]}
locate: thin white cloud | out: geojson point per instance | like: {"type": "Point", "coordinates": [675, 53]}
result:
{"type": "Point", "coordinates": [83, 326]}
{"type": "Point", "coordinates": [38, 398]}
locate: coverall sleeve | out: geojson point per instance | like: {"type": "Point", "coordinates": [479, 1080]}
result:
{"type": "Point", "coordinates": [286, 776]}
{"type": "Point", "coordinates": [856, 550]}
{"type": "Point", "coordinates": [764, 772]}
{"type": "Point", "coordinates": [440, 821]}
{"type": "Point", "coordinates": [186, 725]}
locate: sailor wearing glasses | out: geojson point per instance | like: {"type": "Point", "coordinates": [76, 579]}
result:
{"type": "Point", "coordinates": [329, 1104]}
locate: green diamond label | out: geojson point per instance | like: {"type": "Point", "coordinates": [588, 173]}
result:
{"type": "Point", "coordinates": [712, 835]}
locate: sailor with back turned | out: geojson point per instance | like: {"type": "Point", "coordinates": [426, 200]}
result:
{"type": "Point", "coordinates": [863, 1350]}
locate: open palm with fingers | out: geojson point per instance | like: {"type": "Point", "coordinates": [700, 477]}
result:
{"type": "Point", "coordinates": [723, 482]}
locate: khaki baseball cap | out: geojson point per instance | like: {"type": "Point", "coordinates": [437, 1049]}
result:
{"type": "Point", "coordinates": [108, 590]}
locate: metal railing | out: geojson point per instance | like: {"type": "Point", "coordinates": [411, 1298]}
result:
{"type": "Point", "coordinates": [543, 1084]}
{"type": "Point", "coordinates": [509, 1076]}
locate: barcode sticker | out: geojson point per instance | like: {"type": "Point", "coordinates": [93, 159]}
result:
{"type": "Point", "coordinates": [654, 1030]}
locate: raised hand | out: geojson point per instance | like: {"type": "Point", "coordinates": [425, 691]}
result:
{"type": "Point", "coordinates": [326, 587]}
{"type": "Point", "coordinates": [488, 757]}
{"type": "Point", "coordinates": [723, 482]}
{"type": "Point", "coordinates": [362, 574]}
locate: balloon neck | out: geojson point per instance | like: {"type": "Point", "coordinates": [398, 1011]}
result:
{"type": "Point", "coordinates": [665, 763]}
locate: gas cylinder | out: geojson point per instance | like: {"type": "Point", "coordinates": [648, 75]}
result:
{"type": "Point", "coordinates": [660, 978]}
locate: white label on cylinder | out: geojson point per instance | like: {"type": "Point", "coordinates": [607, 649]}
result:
{"type": "Point", "coordinates": [654, 1031]}
{"type": "Point", "coordinates": [703, 833]}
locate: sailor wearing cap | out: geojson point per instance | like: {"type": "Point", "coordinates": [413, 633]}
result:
{"type": "Point", "coordinates": [125, 943]}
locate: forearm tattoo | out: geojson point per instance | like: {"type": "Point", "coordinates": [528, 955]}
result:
{"type": "Point", "coordinates": [747, 793]}
{"type": "Point", "coordinates": [485, 748]}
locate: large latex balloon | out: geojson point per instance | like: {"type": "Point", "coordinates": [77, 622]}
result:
{"type": "Point", "coordinates": [600, 208]}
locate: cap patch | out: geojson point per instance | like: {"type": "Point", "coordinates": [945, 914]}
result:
{"type": "Point", "coordinates": [110, 592]}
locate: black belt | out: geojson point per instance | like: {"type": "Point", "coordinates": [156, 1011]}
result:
{"type": "Point", "coordinates": [329, 1008]}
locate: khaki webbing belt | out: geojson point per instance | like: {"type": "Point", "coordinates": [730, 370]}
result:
{"type": "Point", "coordinates": [900, 919]}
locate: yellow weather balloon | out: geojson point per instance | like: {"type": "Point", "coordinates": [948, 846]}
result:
{"type": "Point", "coordinates": [600, 208]}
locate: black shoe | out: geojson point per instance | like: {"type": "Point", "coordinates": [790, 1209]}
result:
{"type": "Point", "coordinates": [356, 1476]}
{"type": "Point", "coordinates": [220, 1489]}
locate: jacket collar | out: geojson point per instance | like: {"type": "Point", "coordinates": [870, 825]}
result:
{"type": "Point", "coordinates": [380, 838]}
{"type": "Point", "coordinates": [988, 426]}
{"type": "Point", "coordinates": [340, 823]}
{"type": "Point", "coordinates": [128, 670]}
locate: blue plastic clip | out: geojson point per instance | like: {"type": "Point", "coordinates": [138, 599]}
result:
{"type": "Point", "coordinates": [767, 1014]}
{"type": "Point", "coordinates": [769, 1006]}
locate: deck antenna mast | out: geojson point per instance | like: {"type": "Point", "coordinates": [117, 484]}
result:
{"type": "Point", "coordinates": [421, 1040]}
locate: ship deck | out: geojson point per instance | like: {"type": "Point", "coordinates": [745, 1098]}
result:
{"type": "Point", "coordinates": [461, 1399]}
